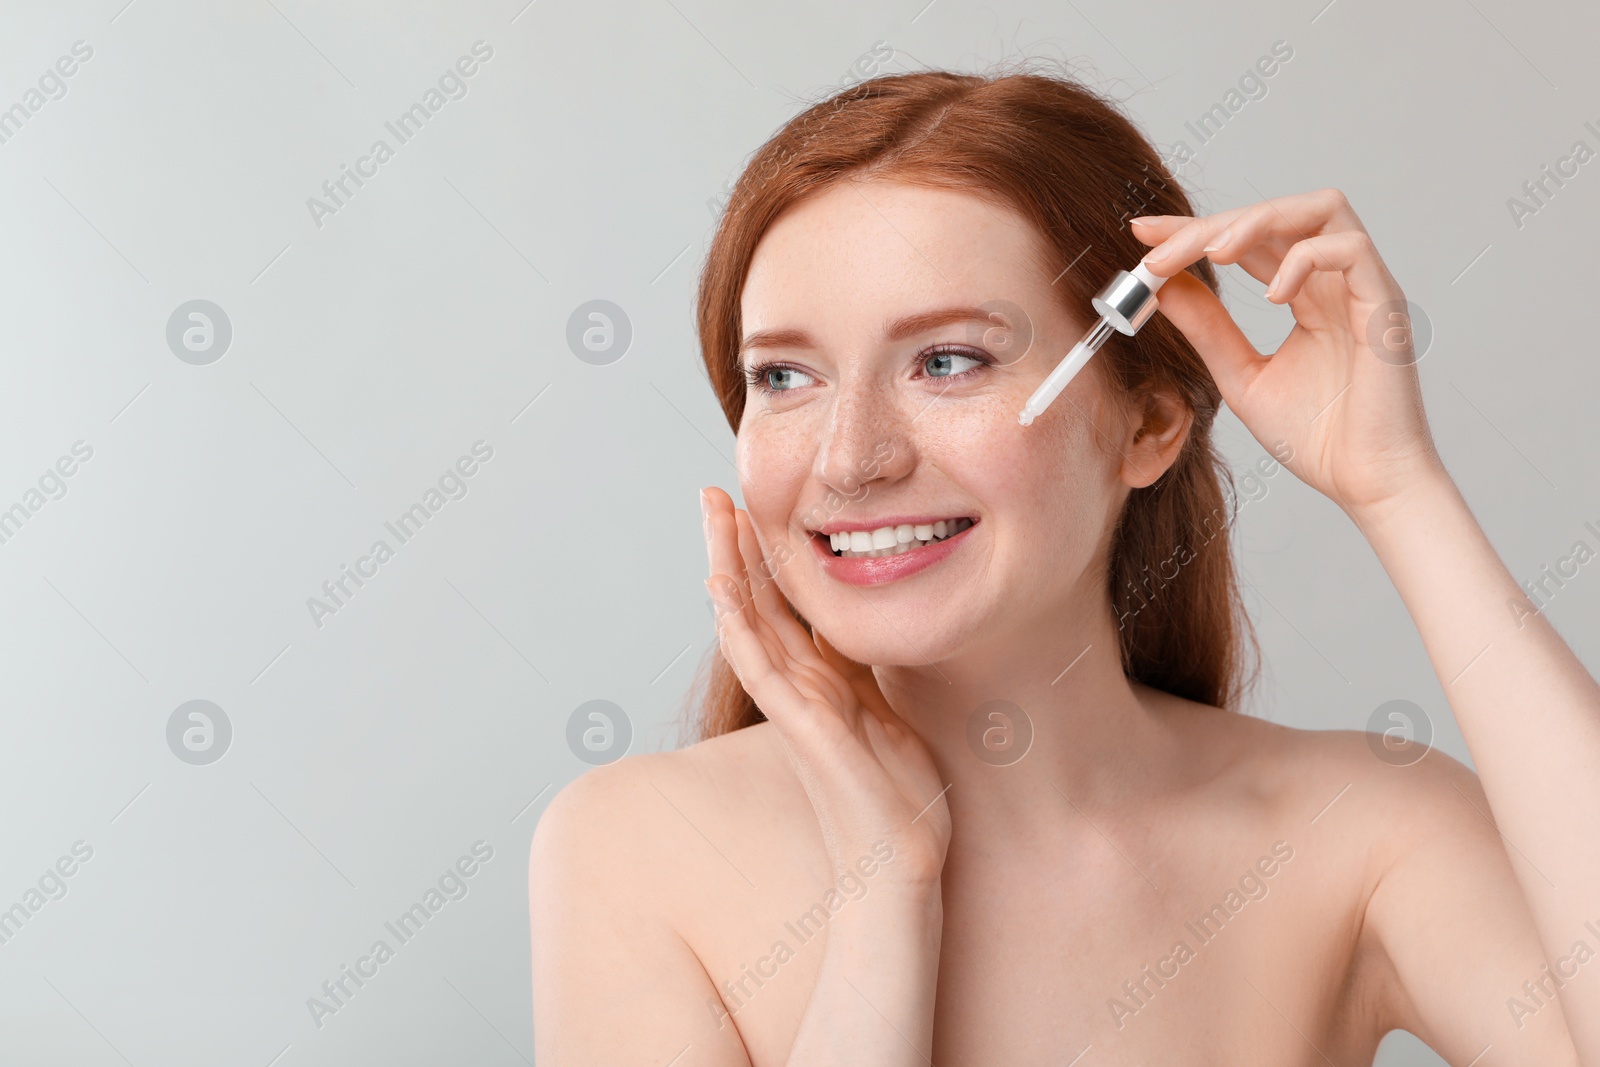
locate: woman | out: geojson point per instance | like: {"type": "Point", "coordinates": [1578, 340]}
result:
{"type": "Point", "coordinates": [1035, 830]}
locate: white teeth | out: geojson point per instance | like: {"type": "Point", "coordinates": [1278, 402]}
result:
{"type": "Point", "coordinates": [893, 540]}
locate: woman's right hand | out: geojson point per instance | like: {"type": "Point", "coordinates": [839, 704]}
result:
{"type": "Point", "coordinates": [870, 778]}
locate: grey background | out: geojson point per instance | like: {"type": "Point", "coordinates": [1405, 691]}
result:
{"type": "Point", "coordinates": [431, 312]}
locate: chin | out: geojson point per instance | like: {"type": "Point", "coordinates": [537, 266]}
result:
{"type": "Point", "coordinates": [888, 639]}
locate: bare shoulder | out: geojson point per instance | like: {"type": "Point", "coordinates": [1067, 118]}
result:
{"type": "Point", "coordinates": [1394, 790]}
{"type": "Point", "coordinates": [1434, 865]}
{"type": "Point", "coordinates": [621, 792]}
{"type": "Point", "coordinates": [1398, 852]}
{"type": "Point", "coordinates": [1395, 793]}
{"type": "Point", "coordinates": [637, 818]}
{"type": "Point", "coordinates": [621, 856]}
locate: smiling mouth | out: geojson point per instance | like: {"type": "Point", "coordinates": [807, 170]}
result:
{"type": "Point", "coordinates": [892, 540]}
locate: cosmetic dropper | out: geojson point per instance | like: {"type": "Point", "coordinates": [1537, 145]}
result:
{"type": "Point", "coordinates": [1125, 304]}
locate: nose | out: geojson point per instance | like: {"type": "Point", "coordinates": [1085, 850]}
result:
{"type": "Point", "coordinates": [868, 440]}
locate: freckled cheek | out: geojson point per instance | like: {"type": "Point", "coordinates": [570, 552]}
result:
{"type": "Point", "coordinates": [1048, 473]}
{"type": "Point", "coordinates": [773, 469]}
{"type": "Point", "coordinates": [982, 435]}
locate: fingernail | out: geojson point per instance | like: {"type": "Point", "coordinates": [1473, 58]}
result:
{"type": "Point", "coordinates": [1142, 220]}
{"type": "Point", "coordinates": [1158, 255]}
{"type": "Point", "coordinates": [705, 506]}
{"type": "Point", "coordinates": [1221, 239]}
{"type": "Point", "coordinates": [1272, 285]}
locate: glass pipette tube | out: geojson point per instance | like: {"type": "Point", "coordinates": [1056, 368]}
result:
{"type": "Point", "coordinates": [1051, 387]}
{"type": "Point", "coordinates": [1125, 304]}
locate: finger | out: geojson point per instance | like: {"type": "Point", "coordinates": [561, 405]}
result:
{"type": "Point", "coordinates": [731, 573]}
{"type": "Point", "coordinates": [775, 623]}
{"type": "Point", "coordinates": [742, 646]}
{"type": "Point", "coordinates": [722, 540]}
{"type": "Point", "coordinates": [771, 607]}
{"type": "Point", "coordinates": [862, 681]}
{"type": "Point", "coordinates": [1162, 229]}
{"type": "Point", "coordinates": [1350, 253]}
{"type": "Point", "coordinates": [730, 562]}
{"type": "Point", "coordinates": [763, 663]}
{"type": "Point", "coordinates": [1199, 315]}
{"type": "Point", "coordinates": [1262, 234]}
{"type": "Point", "coordinates": [1260, 261]}
{"type": "Point", "coordinates": [757, 603]}
{"type": "Point", "coordinates": [1153, 229]}
{"type": "Point", "coordinates": [849, 673]}
{"type": "Point", "coordinates": [754, 655]}
{"type": "Point", "coordinates": [852, 671]}
{"type": "Point", "coordinates": [761, 570]}
{"type": "Point", "coordinates": [836, 659]}
{"type": "Point", "coordinates": [749, 655]}
{"type": "Point", "coordinates": [705, 523]}
{"type": "Point", "coordinates": [1229, 233]}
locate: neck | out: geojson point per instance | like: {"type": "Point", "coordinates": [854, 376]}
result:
{"type": "Point", "coordinates": [1092, 736]}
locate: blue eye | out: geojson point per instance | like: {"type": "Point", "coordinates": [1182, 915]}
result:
{"type": "Point", "coordinates": [769, 377]}
{"type": "Point", "coordinates": [942, 357]}
{"type": "Point", "coordinates": [938, 362]}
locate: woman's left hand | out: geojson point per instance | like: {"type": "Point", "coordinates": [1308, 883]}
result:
{"type": "Point", "coordinates": [1341, 391]}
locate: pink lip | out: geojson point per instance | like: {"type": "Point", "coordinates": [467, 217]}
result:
{"type": "Point", "coordinates": [877, 570]}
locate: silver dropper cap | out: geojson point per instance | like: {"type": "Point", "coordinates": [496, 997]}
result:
{"type": "Point", "coordinates": [1129, 299]}
{"type": "Point", "coordinates": [1125, 304]}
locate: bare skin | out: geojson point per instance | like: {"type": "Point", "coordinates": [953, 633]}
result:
{"type": "Point", "coordinates": [1033, 912]}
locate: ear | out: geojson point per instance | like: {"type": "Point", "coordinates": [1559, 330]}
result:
{"type": "Point", "coordinates": [1158, 427]}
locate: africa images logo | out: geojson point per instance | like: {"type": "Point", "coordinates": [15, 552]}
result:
{"type": "Point", "coordinates": [453, 884]}
{"type": "Point", "coordinates": [452, 85]}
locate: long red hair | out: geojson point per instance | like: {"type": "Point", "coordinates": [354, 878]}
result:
{"type": "Point", "coordinates": [1068, 160]}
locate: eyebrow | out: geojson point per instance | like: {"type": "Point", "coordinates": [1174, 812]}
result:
{"type": "Point", "coordinates": [898, 330]}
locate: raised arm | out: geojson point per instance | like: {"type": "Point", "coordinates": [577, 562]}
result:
{"type": "Point", "coordinates": [1342, 392]}
{"type": "Point", "coordinates": [1530, 714]}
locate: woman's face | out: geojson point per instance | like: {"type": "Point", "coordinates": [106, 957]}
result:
{"type": "Point", "coordinates": [859, 420]}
